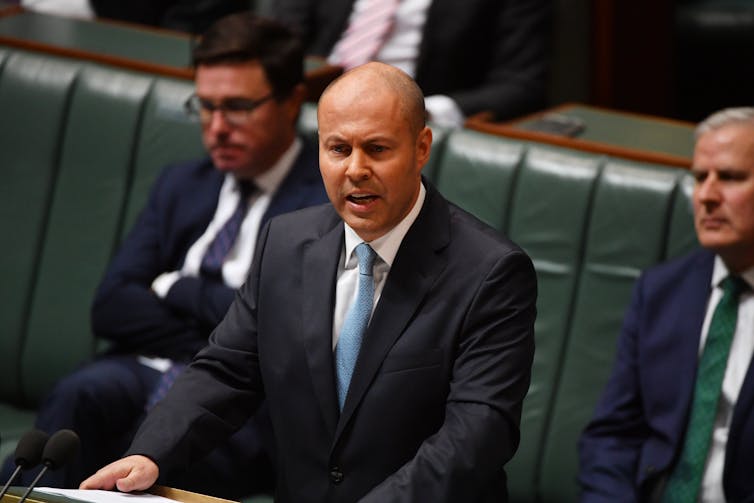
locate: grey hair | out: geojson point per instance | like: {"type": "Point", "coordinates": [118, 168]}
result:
{"type": "Point", "coordinates": [725, 117]}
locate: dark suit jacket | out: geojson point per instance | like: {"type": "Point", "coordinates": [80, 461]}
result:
{"type": "Point", "coordinates": [434, 405]}
{"type": "Point", "coordinates": [181, 205]}
{"type": "Point", "coordinates": [638, 428]}
{"type": "Point", "coordinates": [485, 54]}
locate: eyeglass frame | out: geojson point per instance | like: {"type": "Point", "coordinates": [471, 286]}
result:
{"type": "Point", "coordinates": [195, 107]}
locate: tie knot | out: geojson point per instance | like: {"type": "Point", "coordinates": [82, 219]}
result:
{"type": "Point", "coordinates": [366, 256]}
{"type": "Point", "coordinates": [246, 188]}
{"type": "Point", "coordinates": [734, 285]}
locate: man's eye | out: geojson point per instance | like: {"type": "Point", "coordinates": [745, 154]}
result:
{"type": "Point", "coordinates": [378, 148]}
{"type": "Point", "coordinates": [733, 176]}
{"type": "Point", "coordinates": [237, 105]}
{"type": "Point", "coordinates": [339, 149]}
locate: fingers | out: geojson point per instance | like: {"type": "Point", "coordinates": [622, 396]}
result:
{"type": "Point", "coordinates": [133, 473]}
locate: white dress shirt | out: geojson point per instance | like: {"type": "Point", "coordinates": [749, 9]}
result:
{"type": "Point", "coordinates": [741, 351]}
{"type": "Point", "coordinates": [401, 49]}
{"type": "Point", "coordinates": [237, 264]}
{"type": "Point", "coordinates": [386, 248]}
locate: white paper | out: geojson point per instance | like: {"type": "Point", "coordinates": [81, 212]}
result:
{"type": "Point", "coordinates": [98, 496]}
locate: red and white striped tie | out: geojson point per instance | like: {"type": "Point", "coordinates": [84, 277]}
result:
{"type": "Point", "coordinates": [368, 30]}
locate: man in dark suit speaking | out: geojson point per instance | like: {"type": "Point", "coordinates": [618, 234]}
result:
{"type": "Point", "coordinates": [390, 332]}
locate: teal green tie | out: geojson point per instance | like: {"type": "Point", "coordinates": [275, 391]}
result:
{"type": "Point", "coordinates": [685, 481]}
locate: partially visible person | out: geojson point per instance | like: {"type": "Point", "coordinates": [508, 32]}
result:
{"type": "Point", "coordinates": [675, 422]}
{"type": "Point", "coordinates": [391, 333]}
{"type": "Point", "coordinates": [178, 269]}
{"type": "Point", "coordinates": [192, 16]}
{"type": "Point", "coordinates": [69, 8]}
{"type": "Point", "coordinates": [467, 56]}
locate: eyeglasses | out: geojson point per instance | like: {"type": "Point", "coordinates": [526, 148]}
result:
{"type": "Point", "coordinates": [235, 111]}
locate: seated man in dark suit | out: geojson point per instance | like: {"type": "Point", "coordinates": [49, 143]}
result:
{"type": "Point", "coordinates": [675, 422]}
{"type": "Point", "coordinates": [467, 56]}
{"type": "Point", "coordinates": [391, 333]}
{"type": "Point", "coordinates": [178, 269]}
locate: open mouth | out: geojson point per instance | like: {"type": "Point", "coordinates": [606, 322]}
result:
{"type": "Point", "coordinates": [361, 198]}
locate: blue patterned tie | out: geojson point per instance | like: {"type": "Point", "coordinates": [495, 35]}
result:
{"type": "Point", "coordinates": [355, 324]}
{"type": "Point", "coordinates": [212, 262]}
{"type": "Point", "coordinates": [164, 384]}
{"type": "Point", "coordinates": [685, 481]}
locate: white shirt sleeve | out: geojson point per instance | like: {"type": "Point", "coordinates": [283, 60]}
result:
{"type": "Point", "coordinates": [443, 111]}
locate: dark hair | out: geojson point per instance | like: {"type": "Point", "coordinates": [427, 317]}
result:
{"type": "Point", "coordinates": [243, 37]}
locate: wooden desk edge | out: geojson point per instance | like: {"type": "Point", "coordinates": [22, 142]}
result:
{"type": "Point", "coordinates": [478, 123]}
{"type": "Point", "coordinates": [186, 496]}
{"type": "Point", "coordinates": [166, 492]}
{"type": "Point", "coordinates": [186, 73]}
{"type": "Point", "coordinates": [11, 10]}
{"type": "Point", "coordinates": [565, 107]}
{"type": "Point", "coordinates": [315, 80]}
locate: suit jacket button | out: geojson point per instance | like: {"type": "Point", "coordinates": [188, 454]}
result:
{"type": "Point", "coordinates": [336, 476]}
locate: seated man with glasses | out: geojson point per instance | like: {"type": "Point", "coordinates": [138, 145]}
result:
{"type": "Point", "coordinates": [177, 270]}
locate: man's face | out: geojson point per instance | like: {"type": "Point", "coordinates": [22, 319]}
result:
{"type": "Point", "coordinates": [724, 193]}
{"type": "Point", "coordinates": [369, 157]}
{"type": "Point", "coordinates": [252, 145]}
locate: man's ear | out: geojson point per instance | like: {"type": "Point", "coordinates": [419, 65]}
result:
{"type": "Point", "coordinates": [423, 146]}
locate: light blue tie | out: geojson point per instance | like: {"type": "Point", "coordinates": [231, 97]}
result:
{"type": "Point", "coordinates": [355, 324]}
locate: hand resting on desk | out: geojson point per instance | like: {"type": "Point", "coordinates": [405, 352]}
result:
{"type": "Point", "coordinates": [132, 473]}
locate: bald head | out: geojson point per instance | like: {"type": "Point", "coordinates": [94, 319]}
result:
{"type": "Point", "coordinates": [373, 78]}
{"type": "Point", "coordinates": [373, 145]}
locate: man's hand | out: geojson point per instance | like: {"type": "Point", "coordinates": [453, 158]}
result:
{"type": "Point", "coordinates": [133, 473]}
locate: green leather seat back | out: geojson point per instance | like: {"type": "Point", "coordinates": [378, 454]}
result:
{"type": "Point", "coordinates": [681, 234]}
{"type": "Point", "coordinates": [83, 225]}
{"type": "Point", "coordinates": [34, 94]}
{"type": "Point", "coordinates": [14, 422]}
{"type": "Point", "coordinates": [166, 136]}
{"type": "Point", "coordinates": [477, 172]}
{"type": "Point", "coordinates": [630, 216]}
{"type": "Point", "coordinates": [439, 137]}
{"type": "Point", "coordinates": [549, 218]}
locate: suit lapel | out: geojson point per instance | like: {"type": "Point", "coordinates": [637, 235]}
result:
{"type": "Point", "coordinates": [741, 418]}
{"type": "Point", "coordinates": [320, 263]}
{"type": "Point", "coordinates": [413, 273]}
{"type": "Point", "coordinates": [686, 328]}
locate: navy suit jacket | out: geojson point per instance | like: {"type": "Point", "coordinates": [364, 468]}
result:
{"type": "Point", "coordinates": [637, 431]}
{"type": "Point", "coordinates": [181, 204]}
{"type": "Point", "coordinates": [488, 55]}
{"type": "Point", "coordinates": [433, 408]}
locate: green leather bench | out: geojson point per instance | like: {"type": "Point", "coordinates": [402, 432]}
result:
{"type": "Point", "coordinates": [80, 144]}
{"type": "Point", "coordinates": [590, 224]}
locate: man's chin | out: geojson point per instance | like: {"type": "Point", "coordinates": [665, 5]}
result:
{"type": "Point", "coordinates": [225, 165]}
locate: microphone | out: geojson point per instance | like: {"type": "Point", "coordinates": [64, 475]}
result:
{"type": "Point", "coordinates": [60, 448]}
{"type": "Point", "coordinates": [28, 454]}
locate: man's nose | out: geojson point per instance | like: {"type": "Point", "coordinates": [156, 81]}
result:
{"type": "Point", "coordinates": [358, 167]}
{"type": "Point", "coordinates": [217, 122]}
{"type": "Point", "coordinates": [708, 190]}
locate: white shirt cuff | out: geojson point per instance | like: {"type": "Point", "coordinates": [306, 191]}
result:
{"type": "Point", "coordinates": [164, 282]}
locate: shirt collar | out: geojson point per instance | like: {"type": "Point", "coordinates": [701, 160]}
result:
{"type": "Point", "coordinates": [269, 181]}
{"type": "Point", "coordinates": [720, 272]}
{"type": "Point", "coordinates": [387, 246]}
